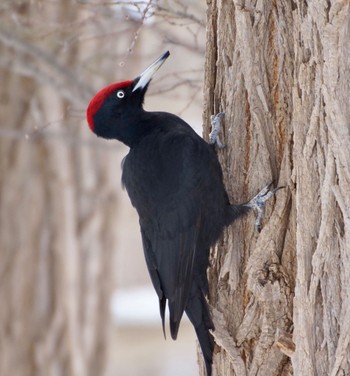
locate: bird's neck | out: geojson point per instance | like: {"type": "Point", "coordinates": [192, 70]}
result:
{"type": "Point", "coordinates": [137, 126]}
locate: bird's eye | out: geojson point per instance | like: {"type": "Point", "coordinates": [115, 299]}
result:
{"type": "Point", "coordinates": [120, 94]}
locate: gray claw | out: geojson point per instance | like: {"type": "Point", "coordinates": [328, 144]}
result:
{"type": "Point", "coordinates": [214, 134]}
{"type": "Point", "coordinates": [258, 202]}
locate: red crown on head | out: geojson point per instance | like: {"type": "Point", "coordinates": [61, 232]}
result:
{"type": "Point", "coordinates": [96, 102]}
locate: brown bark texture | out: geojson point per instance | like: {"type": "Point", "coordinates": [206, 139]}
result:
{"type": "Point", "coordinates": [279, 70]}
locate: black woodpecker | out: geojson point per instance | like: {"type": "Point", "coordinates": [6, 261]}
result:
{"type": "Point", "coordinates": [175, 182]}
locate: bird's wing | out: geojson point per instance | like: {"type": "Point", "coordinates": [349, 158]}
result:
{"type": "Point", "coordinates": [164, 179]}
{"type": "Point", "coordinates": [170, 264]}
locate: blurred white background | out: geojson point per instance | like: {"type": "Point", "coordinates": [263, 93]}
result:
{"type": "Point", "coordinates": [69, 237]}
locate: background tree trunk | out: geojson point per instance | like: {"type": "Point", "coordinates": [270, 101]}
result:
{"type": "Point", "coordinates": [60, 189]}
{"type": "Point", "coordinates": [280, 72]}
{"type": "Point", "coordinates": [58, 209]}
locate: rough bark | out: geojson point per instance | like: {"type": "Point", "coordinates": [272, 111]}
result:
{"type": "Point", "coordinates": [280, 72]}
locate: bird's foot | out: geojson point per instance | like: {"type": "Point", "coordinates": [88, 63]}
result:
{"type": "Point", "coordinates": [214, 134]}
{"type": "Point", "coordinates": [258, 202]}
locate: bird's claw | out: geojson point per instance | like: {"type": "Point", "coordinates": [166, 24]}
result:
{"type": "Point", "coordinates": [258, 202]}
{"type": "Point", "coordinates": [214, 138]}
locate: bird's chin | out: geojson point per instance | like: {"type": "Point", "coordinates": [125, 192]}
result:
{"type": "Point", "coordinates": [103, 133]}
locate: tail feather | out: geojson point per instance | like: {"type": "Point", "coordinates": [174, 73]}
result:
{"type": "Point", "coordinates": [174, 328]}
{"type": "Point", "coordinates": [207, 345]}
{"type": "Point", "coordinates": [174, 320]}
{"type": "Point", "coordinates": [197, 311]}
{"type": "Point", "coordinates": [162, 303]}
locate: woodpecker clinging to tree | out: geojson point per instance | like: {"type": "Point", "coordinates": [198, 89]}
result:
{"type": "Point", "coordinates": [175, 182]}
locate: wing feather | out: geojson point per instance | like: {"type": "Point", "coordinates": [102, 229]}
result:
{"type": "Point", "coordinates": [163, 180]}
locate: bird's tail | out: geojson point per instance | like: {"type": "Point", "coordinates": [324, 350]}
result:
{"type": "Point", "coordinates": [197, 311]}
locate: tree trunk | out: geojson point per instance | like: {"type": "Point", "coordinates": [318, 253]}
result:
{"type": "Point", "coordinates": [280, 72]}
{"type": "Point", "coordinates": [58, 210]}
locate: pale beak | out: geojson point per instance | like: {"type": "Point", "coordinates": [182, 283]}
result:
{"type": "Point", "coordinates": [145, 77]}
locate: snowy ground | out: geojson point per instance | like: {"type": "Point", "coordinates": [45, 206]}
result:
{"type": "Point", "coordinates": [136, 306]}
{"type": "Point", "coordinates": [139, 348]}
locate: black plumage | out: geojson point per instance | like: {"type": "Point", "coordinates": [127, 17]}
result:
{"type": "Point", "coordinates": [175, 182]}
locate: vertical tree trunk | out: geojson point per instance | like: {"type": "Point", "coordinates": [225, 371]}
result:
{"type": "Point", "coordinates": [280, 72]}
{"type": "Point", "coordinates": [58, 214]}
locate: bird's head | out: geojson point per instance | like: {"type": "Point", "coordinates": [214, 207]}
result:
{"type": "Point", "coordinates": [113, 110]}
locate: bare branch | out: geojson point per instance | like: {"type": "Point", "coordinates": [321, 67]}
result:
{"type": "Point", "coordinates": [49, 70]}
{"type": "Point", "coordinates": [181, 15]}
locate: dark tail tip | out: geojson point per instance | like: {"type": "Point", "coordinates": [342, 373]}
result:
{"type": "Point", "coordinates": [207, 346]}
{"type": "Point", "coordinates": [174, 328]}
{"type": "Point", "coordinates": [162, 303]}
{"type": "Point", "coordinates": [198, 312]}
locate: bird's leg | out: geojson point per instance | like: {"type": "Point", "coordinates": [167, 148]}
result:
{"type": "Point", "coordinates": [258, 202]}
{"type": "Point", "coordinates": [214, 134]}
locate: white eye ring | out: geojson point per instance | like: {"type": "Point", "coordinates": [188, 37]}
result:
{"type": "Point", "coordinates": [120, 94]}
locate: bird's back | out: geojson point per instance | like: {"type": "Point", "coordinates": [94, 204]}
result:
{"type": "Point", "coordinates": [172, 176]}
